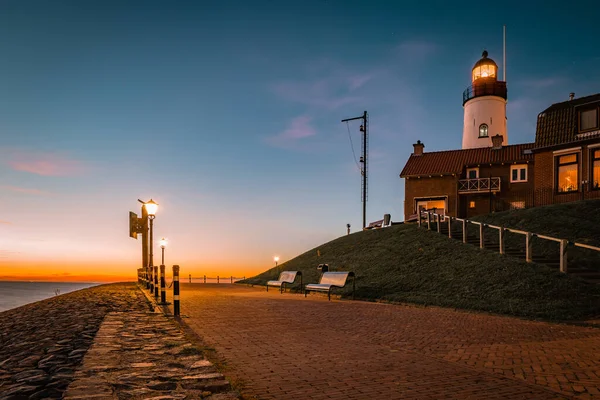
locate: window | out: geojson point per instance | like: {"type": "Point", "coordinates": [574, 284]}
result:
{"type": "Point", "coordinates": [518, 173]}
{"type": "Point", "coordinates": [595, 169]}
{"type": "Point", "coordinates": [588, 120]}
{"type": "Point", "coordinates": [472, 173]}
{"type": "Point", "coordinates": [567, 167]}
{"type": "Point", "coordinates": [517, 205]}
{"type": "Point", "coordinates": [471, 204]}
{"type": "Point", "coordinates": [436, 205]}
{"type": "Point", "coordinates": [483, 130]}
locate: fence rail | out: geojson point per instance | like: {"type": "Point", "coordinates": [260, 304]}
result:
{"type": "Point", "coordinates": [218, 278]}
{"type": "Point", "coordinates": [431, 217]}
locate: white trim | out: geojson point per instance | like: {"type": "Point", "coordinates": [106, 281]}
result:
{"type": "Point", "coordinates": [518, 167]}
{"type": "Point", "coordinates": [572, 150]}
{"type": "Point", "coordinates": [593, 146]}
{"type": "Point", "coordinates": [473, 169]}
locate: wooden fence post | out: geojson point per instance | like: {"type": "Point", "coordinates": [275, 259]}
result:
{"type": "Point", "coordinates": [428, 220]}
{"type": "Point", "coordinates": [419, 218]}
{"type": "Point", "coordinates": [232, 279]}
{"type": "Point", "coordinates": [464, 231]}
{"type": "Point", "coordinates": [450, 227]}
{"type": "Point", "coordinates": [204, 278]}
{"type": "Point", "coordinates": [190, 278]}
{"type": "Point", "coordinates": [481, 236]}
{"type": "Point", "coordinates": [217, 278]}
{"type": "Point", "coordinates": [501, 239]}
{"type": "Point", "coordinates": [563, 255]}
{"type": "Point", "coordinates": [176, 305]}
{"type": "Point", "coordinates": [528, 247]}
{"type": "Point", "coordinates": [439, 222]}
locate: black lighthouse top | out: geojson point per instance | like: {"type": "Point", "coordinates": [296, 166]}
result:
{"type": "Point", "coordinates": [484, 79]}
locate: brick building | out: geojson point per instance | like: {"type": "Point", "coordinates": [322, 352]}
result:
{"type": "Point", "coordinates": [567, 151]}
{"type": "Point", "coordinates": [487, 174]}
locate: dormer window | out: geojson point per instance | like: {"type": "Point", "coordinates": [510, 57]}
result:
{"type": "Point", "coordinates": [483, 130]}
{"type": "Point", "coordinates": [588, 120]}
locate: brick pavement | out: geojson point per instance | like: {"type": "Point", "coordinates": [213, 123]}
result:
{"type": "Point", "coordinates": [285, 346]}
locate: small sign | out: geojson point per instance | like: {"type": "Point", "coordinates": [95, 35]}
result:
{"type": "Point", "coordinates": [133, 225]}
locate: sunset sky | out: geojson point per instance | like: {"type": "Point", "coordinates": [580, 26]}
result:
{"type": "Point", "coordinates": [227, 113]}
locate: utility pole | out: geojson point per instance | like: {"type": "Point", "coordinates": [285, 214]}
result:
{"type": "Point", "coordinates": [363, 160]}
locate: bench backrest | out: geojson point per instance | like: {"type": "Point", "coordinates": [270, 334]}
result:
{"type": "Point", "coordinates": [288, 276]}
{"type": "Point", "coordinates": [335, 278]}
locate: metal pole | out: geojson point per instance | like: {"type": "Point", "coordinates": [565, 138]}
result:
{"type": "Point", "coordinates": [163, 285]}
{"type": "Point", "coordinates": [163, 255]}
{"type": "Point", "coordinates": [145, 264]}
{"type": "Point", "coordinates": [176, 310]}
{"type": "Point", "coordinates": [190, 278]}
{"type": "Point", "coordinates": [365, 170]}
{"type": "Point", "coordinates": [151, 279]}
{"type": "Point", "coordinates": [151, 243]}
{"type": "Point", "coordinates": [204, 278]}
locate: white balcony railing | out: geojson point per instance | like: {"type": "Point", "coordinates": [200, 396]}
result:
{"type": "Point", "coordinates": [479, 185]}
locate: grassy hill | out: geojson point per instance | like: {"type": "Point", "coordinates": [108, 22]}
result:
{"type": "Point", "coordinates": [404, 263]}
{"type": "Point", "coordinates": [577, 222]}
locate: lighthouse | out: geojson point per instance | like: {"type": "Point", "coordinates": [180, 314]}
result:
{"type": "Point", "coordinates": [484, 104]}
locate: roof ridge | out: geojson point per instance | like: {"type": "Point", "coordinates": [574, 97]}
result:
{"type": "Point", "coordinates": [475, 148]}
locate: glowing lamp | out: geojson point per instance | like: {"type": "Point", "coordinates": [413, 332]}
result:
{"type": "Point", "coordinates": [276, 258]}
{"type": "Point", "coordinates": [163, 243]}
{"type": "Point", "coordinates": [151, 208]}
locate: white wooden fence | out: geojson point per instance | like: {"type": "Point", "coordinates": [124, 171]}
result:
{"type": "Point", "coordinates": [437, 219]}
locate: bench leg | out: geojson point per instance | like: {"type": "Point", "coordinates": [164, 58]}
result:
{"type": "Point", "coordinates": [305, 291]}
{"type": "Point", "coordinates": [329, 294]}
{"type": "Point", "coordinates": [267, 288]}
{"type": "Point", "coordinates": [281, 288]}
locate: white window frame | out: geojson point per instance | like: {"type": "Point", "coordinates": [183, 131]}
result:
{"type": "Point", "coordinates": [473, 169]}
{"type": "Point", "coordinates": [518, 167]}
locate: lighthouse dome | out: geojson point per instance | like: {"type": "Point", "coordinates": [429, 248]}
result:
{"type": "Point", "coordinates": [485, 68]}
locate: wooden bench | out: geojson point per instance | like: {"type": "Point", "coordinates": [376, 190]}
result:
{"type": "Point", "coordinates": [328, 281]}
{"type": "Point", "coordinates": [285, 277]}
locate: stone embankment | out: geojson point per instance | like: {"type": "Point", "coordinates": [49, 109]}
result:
{"type": "Point", "coordinates": [134, 353]}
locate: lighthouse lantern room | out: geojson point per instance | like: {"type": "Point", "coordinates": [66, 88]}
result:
{"type": "Point", "coordinates": [484, 105]}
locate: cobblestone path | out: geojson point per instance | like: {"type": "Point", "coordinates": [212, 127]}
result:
{"type": "Point", "coordinates": [145, 356]}
{"type": "Point", "coordinates": [286, 347]}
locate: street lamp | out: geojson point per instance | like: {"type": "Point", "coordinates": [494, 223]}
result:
{"type": "Point", "coordinates": [151, 208]}
{"type": "Point", "coordinates": [276, 259]}
{"type": "Point", "coordinates": [163, 244]}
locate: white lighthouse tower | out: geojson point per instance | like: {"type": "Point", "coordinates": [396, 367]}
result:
{"type": "Point", "coordinates": [485, 106]}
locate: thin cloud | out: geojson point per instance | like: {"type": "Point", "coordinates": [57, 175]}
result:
{"type": "Point", "coordinates": [540, 83]}
{"type": "Point", "coordinates": [5, 222]}
{"type": "Point", "coordinates": [320, 93]}
{"type": "Point", "coordinates": [45, 164]}
{"type": "Point", "coordinates": [18, 189]}
{"type": "Point", "coordinates": [299, 128]}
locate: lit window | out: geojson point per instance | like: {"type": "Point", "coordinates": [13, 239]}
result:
{"type": "Point", "coordinates": [472, 173]}
{"type": "Point", "coordinates": [588, 119]}
{"type": "Point", "coordinates": [471, 204]}
{"type": "Point", "coordinates": [483, 130]}
{"type": "Point", "coordinates": [517, 205]}
{"type": "Point", "coordinates": [518, 173]}
{"type": "Point", "coordinates": [567, 167]}
{"type": "Point", "coordinates": [596, 169]}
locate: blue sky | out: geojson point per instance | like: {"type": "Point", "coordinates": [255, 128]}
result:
{"type": "Point", "coordinates": [228, 113]}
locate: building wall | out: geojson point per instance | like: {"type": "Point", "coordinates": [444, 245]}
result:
{"type": "Point", "coordinates": [545, 171]}
{"type": "Point", "coordinates": [509, 196]}
{"type": "Point", "coordinates": [490, 110]}
{"type": "Point", "coordinates": [430, 187]}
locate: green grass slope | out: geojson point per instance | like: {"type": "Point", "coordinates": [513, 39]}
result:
{"type": "Point", "coordinates": [577, 222]}
{"type": "Point", "coordinates": [404, 263]}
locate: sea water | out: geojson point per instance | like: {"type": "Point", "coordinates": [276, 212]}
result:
{"type": "Point", "coordinates": [16, 293]}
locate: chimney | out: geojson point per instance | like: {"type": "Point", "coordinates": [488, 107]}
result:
{"type": "Point", "coordinates": [418, 148]}
{"type": "Point", "coordinates": [497, 142]}
{"type": "Point", "coordinates": [571, 96]}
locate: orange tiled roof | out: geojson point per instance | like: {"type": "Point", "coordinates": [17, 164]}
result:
{"type": "Point", "coordinates": [454, 161]}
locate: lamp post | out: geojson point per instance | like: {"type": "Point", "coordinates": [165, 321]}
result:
{"type": "Point", "coordinates": [276, 259]}
{"type": "Point", "coordinates": [151, 208]}
{"type": "Point", "coordinates": [163, 244]}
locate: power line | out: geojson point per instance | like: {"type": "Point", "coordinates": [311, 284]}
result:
{"type": "Point", "coordinates": [352, 147]}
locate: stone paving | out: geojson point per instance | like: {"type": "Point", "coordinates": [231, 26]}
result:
{"type": "Point", "coordinates": [41, 344]}
{"type": "Point", "coordinates": [145, 356]}
{"type": "Point", "coordinates": [283, 346]}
